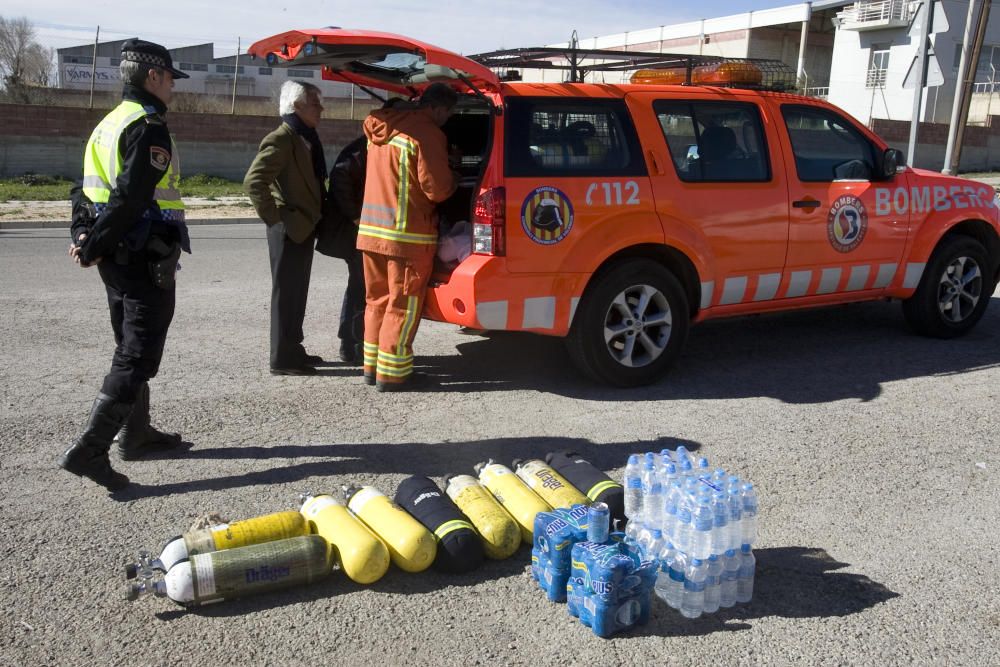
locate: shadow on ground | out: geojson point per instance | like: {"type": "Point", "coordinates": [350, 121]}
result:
{"type": "Point", "coordinates": [791, 582]}
{"type": "Point", "coordinates": [813, 356]}
{"type": "Point", "coordinates": [414, 458]}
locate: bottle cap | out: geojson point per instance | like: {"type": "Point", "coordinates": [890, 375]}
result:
{"type": "Point", "coordinates": [633, 459]}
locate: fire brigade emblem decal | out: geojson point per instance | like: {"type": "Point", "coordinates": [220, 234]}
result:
{"type": "Point", "coordinates": [846, 223]}
{"type": "Point", "coordinates": [546, 215]}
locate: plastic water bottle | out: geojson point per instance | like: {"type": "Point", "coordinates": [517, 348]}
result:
{"type": "Point", "coordinates": [670, 499]}
{"type": "Point", "coordinates": [735, 519]}
{"type": "Point", "coordinates": [702, 523]}
{"type": "Point", "coordinates": [665, 457]}
{"type": "Point", "coordinates": [720, 527]}
{"type": "Point", "coordinates": [748, 529]}
{"type": "Point", "coordinates": [693, 603]}
{"type": "Point", "coordinates": [648, 475]}
{"type": "Point", "coordinates": [719, 478]}
{"type": "Point", "coordinates": [682, 529]}
{"type": "Point", "coordinates": [656, 544]}
{"type": "Point", "coordinates": [667, 474]}
{"type": "Point", "coordinates": [633, 488]}
{"type": "Point", "coordinates": [654, 506]}
{"type": "Point", "coordinates": [684, 468]}
{"type": "Point", "coordinates": [681, 455]}
{"type": "Point", "coordinates": [701, 469]}
{"type": "Point", "coordinates": [666, 556]}
{"type": "Point", "coordinates": [644, 539]}
{"type": "Point", "coordinates": [730, 577]}
{"type": "Point", "coordinates": [675, 586]}
{"type": "Point", "coordinates": [713, 584]}
{"type": "Point", "coordinates": [744, 582]}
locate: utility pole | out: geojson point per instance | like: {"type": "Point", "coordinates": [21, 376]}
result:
{"type": "Point", "coordinates": [968, 65]}
{"type": "Point", "coordinates": [921, 78]}
{"type": "Point", "coordinates": [93, 67]}
{"type": "Point", "coordinates": [236, 74]}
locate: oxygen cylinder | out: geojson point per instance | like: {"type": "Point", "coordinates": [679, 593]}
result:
{"type": "Point", "coordinates": [411, 546]}
{"type": "Point", "coordinates": [361, 553]}
{"type": "Point", "coordinates": [548, 484]}
{"type": "Point", "coordinates": [501, 534]}
{"type": "Point", "coordinates": [591, 480]}
{"type": "Point", "coordinates": [267, 528]}
{"type": "Point", "coordinates": [258, 568]}
{"type": "Point", "coordinates": [459, 547]}
{"type": "Point", "coordinates": [520, 501]}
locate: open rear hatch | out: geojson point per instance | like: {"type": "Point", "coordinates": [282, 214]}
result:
{"type": "Point", "coordinates": [374, 60]}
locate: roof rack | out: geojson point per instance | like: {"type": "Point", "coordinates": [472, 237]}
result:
{"type": "Point", "coordinates": [775, 75]}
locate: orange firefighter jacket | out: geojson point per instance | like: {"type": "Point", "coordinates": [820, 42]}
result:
{"type": "Point", "coordinates": [407, 174]}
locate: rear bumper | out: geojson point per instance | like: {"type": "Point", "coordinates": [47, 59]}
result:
{"type": "Point", "coordinates": [482, 294]}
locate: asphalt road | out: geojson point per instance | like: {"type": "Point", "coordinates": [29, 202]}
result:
{"type": "Point", "coordinates": [874, 452]}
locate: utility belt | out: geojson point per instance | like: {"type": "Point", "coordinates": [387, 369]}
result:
{"type": "Point", "coordinates": [161, 254]}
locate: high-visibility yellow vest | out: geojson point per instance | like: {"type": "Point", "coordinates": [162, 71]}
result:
{"type": "Point", "coordinates": [102, 163]}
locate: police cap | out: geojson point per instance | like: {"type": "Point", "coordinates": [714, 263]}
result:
{"type": "Point", "coordinates": [148, 53]}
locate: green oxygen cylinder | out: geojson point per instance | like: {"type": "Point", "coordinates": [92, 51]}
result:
{"type": "Point", "coordinates": [232, 573]}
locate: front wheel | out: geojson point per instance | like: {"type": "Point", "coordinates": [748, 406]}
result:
{"type": "Point", "coordinates": [631, 324]}
{"type": "Point", "coordinates": [953, 292]}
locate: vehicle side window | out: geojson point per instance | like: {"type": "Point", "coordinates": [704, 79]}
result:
{"type": "Point", "coordinates": [580, 137]}
{"type": "Point", "coordinates": [827, 147]}
{"type": "Point", "coordinates": [714, 141]}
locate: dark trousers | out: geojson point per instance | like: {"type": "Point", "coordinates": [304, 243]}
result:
{"type": "Point", "coordinates": [352, 310]}
{"type": "Point", "coordinates": [291, 265]}
{"type": "Point", "coordinates": [140, 317]}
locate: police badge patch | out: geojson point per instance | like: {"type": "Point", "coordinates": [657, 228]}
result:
{"type": "Point", "coordinates": [159, 157]}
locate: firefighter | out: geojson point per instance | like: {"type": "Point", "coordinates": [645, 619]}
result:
{"type": "Point", "coordinates": [408, 173]}
{"type": "Point", "coordinates": [129, 221]}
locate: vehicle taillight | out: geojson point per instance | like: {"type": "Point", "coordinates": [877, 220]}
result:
{"type": "Point", "coordinates": [488, 218]}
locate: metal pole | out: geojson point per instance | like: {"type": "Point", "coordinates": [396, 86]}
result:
{"type": "Point", "coordinates": [236, 74]}
{"type": "Point", "coordinates": [921, 78]}
{"type": "Point", "coordinates": [803, 40]}
{"type": "Point", "coordinates": [93, 67]}
{"type": "Point", "coordinates": [958, 129]}
{"type": "Point", "coordinates": [959, 97]}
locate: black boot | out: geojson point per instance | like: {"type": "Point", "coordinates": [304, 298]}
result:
{"type": "Point", "coordinates": [137, 438]}
{"type": "Point", "coordinates": [88, 457]}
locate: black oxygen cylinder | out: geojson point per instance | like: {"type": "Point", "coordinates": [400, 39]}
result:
{"type": "Point", "coordinates": [459, 547]}
{"type": "Point", "coordinates": [591, 481]}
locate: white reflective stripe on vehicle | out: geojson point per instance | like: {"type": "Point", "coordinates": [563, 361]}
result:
{"type": "Point", "coordinates": [539, 313]}
{"type": "Point", "coordinates": [707, 290]}
{"type": "Point", "coordinates": [914, 271]}
{"type": "Point", "coordinates": [573, 303]}
{"type": "Point", "coordinates": [767, 286]}
{"type": "Point", "coordinates": [828, 281]}
{"type": "Point", "coordinates": [492, 315]}
{"type": "Point", "coordinates": [733, 290]}
{"type": "Point", "coordinates": [859, 278]}
{"type": "Point", "coordinates": [798, 285]}
{"type": "Point", "coordinates": [886, 272]}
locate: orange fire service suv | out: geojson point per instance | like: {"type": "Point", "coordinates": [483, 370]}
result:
{"type": "Point", "coordinates": [616, 216]}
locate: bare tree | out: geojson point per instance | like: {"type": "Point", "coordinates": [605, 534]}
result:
{"type": "Point", "coordinates": [23, 61]}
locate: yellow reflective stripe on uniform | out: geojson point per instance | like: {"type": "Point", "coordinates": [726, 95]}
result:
{"type": "Point", "coordinates": [393, 372]}
{"type": "Point", "coordinates": [115, 160]}
{"type": "Point", "coordinates": [395, 358]}
{"type": "Point", "coordinates": [403, 196]}
{"type": "Point", "coordinates": [393, 235]}
{"type": "Point", "coordinates": [452, 526]}
{"type": "Point", "coordinates": [412, 304]}
{"type": "Point", "coordinates": [601, 487]}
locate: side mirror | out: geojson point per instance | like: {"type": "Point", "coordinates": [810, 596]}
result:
{"type": "Point", "coordinates": [892, 161]}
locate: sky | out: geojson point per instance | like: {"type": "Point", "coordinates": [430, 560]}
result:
{"type": "Point", "coordinates": [465, 26]}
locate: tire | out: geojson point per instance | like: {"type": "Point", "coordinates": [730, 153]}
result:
{"type": "Point", "coordinates": [631, 324]}
{"type": "Point", "coordinates": [953, 292]}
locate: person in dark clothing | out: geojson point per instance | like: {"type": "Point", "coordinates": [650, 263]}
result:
{"type": "Point", "coordinates": [347, 193]}
{"type": "Point", "coordinates": [128, 220]}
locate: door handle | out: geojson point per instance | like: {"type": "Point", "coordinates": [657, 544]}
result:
{"type": "Point", "coordinates": [808, 203]}
{"type": "Point", "coordinates": [656, 164]}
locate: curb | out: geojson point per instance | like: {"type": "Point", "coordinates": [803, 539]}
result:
{"type": "Point", "coordinates": [64, 224]}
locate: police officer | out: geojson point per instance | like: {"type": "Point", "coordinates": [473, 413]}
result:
{"type": "Point", "coordinates": [128, 220]}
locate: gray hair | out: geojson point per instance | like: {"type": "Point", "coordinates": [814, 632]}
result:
{"type": "Point", "coordinates": [134, 73]}
{"type": "Point", "coordinates": [295, 91]}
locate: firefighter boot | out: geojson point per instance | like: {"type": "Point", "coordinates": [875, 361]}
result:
{"type": "Point", "coordinates": [88, 456]}
{"type": "Point", "coordinates": [137, 438]}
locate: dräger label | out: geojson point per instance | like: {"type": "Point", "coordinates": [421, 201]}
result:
{"type": "Point", "coordinates": [926, 198]}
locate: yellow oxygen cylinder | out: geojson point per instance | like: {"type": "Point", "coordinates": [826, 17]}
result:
{"type": "Point", "coordinates": [549, 484]}
{"type": "Point", "coordinates": [500, 532]}
{"type": "Point", "coordinates": [411, 546]}
{"type": "Point", "coordinates": [516, 497]}
{"type": "Point", "coordinates": [361, 553]}
{"type": "Point", "coordinates": [219, 537]}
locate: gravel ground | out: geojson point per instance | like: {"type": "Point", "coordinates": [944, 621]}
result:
{"type": "Point", "coordinates": [874, 452]}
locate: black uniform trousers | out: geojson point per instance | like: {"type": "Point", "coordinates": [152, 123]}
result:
{"type": "Point", "coordinates": [291, 265]}
{"type": "Point", "coordinates": [352, 309]}
{"type": "Point", "coordinates": [141, 314]}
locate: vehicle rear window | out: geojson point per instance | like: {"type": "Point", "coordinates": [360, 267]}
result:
{"type": "Point", "coordinates": [714, 141]}
{"type": "Point", "coordinates": [577, 137]}
{"type": "Point", "coordinates": [827, 147]}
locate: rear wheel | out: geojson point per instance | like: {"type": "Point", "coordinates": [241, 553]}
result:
{"type": "Point", "coordinates": [631, 324]}
{"type": "Point", "coordinates": [953, 292]}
